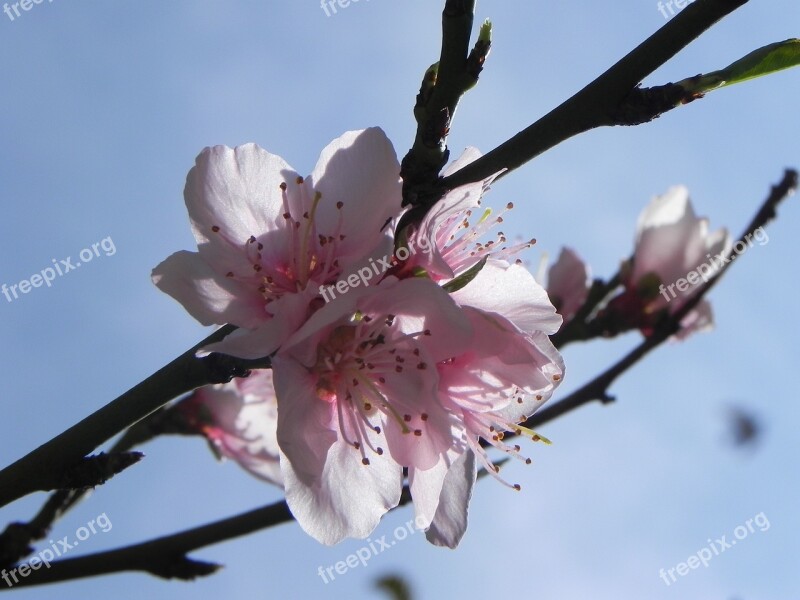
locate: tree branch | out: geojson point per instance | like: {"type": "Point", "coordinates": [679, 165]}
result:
{"type": "Point", "coordinates": [166, 557]}
{"type": "Point", "coordinates": [575, 329]}
{"type": "Point", "coordinates": [600, 102]}
{"type": "Point", "coordinates": [17, 539]}
{"type": "Point", "coordinates": [442, 87]}
{"type": "Point", "coordinates": [597, 389]}
{"type": "Point", "coordinates": [41, 468]}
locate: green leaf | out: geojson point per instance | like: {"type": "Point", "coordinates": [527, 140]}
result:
{"type": "Point", "coordinates": [764, 61]}
{"type": "Point", "coordinates": [459, 282]}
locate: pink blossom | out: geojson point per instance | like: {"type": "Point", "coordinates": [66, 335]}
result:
{"type": "Point", "coordinates": [450, 234]}
{"type": "Point", "coordinates": [392, 376]}
{"type": "Point", "coordinates": [671, 242]}
{"type": "Point", "coordinates": [399, 375]}
{"type": "Point", "coordinates": [568, 283]}
{"type": "Point", "coordinates": [506, 290]}
{"type": "Point", "coordinates": [508, 369]}
{"type": "Point", "coordinates": [506, 372]}
{"type": "Point", "coordinates": [358, 390]}
{"type": "Point", "coordinates": [268, 238]}
{"type": "Point", "coordinates": [239, 419]}
{"type": "Point", "coordinates": [491, 387]}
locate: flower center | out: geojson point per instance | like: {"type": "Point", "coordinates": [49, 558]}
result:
{"type": "Point", "coordinates": [353, 367]}
{"type": "Point", "coordinates": [310, 254]}
{"type": "Point", "coordinates": [313, 254]}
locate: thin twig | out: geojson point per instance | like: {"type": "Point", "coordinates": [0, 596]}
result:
{"type": "Point", "coordinates": [442, 87]}
{"type": "Point", "coordinates": [575, 329]}
{"type": "Point", "coordinates": [156, 555]}
{"type": "Point", "coordinates": [17, 539]}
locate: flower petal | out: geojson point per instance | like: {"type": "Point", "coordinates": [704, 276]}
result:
{"type": "Point", "coordinates": [426, 488]}
{"type": "Point", "coordinates": [511, 291]}
{"type": "Point", "coordinates": [329, 491]}
{"type": "Point", "coordinates": [422, 305]}
{"type": "Point", "coordinates": [671, 240]}
{"type": "Point", "coordinates": [416, 441]}
{"type": "Point", "coordinates": [231, 194]}
{"type": "Point", "coordinates": [210, 298]}
{"type": "Point", "coordinates": [240, 420]}
{"type": "Point", "coordinates": [700, 318]}
{"type": "Point", "coordinates": [359, 169]}
{"type": "Point", "coordinates": [450, 521]}
{"type": "Point", "coordinates": [567, 283]}
{"type": "Point", "coordinates": [291, 311]}
{"type": "Point", "coordinates": [430, 235]}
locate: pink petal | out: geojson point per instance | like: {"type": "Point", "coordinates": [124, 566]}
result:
{"type": "Point", "coordinates": [701, 318]}
{"type": "Point", "coordinates": [500, 359]}
{"type": "Point", "coordinates": [426, 486]}
{"type": "Point", "coordinates": [454, 202]}
{"type": "Point", "coordinates": [450, 522]}
{"type": "Point", "coordinates": [418, 303]}
{"type": "Point", "coordinates": [207, 296]}
{"type": "Point", "coordinates": [413, 392]}
{"type": "Point", "coordinates": [511, 291]}
{"type": "Point", "coordinates": [291, 311]}
{"type": "Point", "coordinates": [470, 154]}
{"type": "Point", "coordinates": [568, 283]}
{"type": "Point", "coordinates": [302, 345]}
{"type": "Point", "coordinates": [238, 191]}
{"type": "Point", "coordinates": [421, 305]}
{"type": "Point", "coordinates": [240, 418]}
{"type": "Point", "coordinates": [329, 491]}
{"type": "Point", "coordinates": [670, 238]}
{"type": "Point", "coordinates": [359, 169]}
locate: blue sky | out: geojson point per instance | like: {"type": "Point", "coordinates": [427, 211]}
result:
{"type": "Point", "coordinates": [104, 108]}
